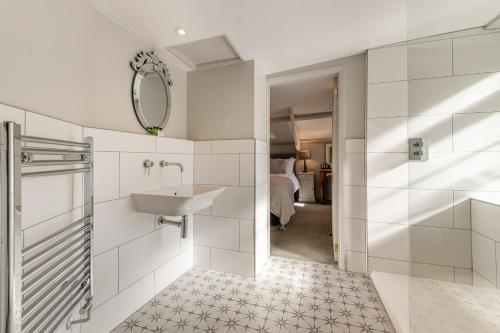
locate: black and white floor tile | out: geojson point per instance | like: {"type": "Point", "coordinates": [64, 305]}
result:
{"type": "Point", "coordinates": [288, 296]}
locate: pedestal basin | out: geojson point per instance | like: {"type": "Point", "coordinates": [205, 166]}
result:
{"type": "Point", "coordinates": [178, 200]}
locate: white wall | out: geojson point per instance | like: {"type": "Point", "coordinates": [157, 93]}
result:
{"type": "Point", "coordinates": [448, 90]}
{"type": "Point", "coordinates": [354, 192]}
{"type": "Point", "coordinates": [224, 232]}
{"type": "Point", "coordinates": [220, 102]}
{"type": "Point", "coordinates": [354, 90]}
{"type": "Point", "coordinates": [66, 60]}
{"type": "Point", "coordinates": [134, 258]}
{"type": "Point", "coordinates": [486, 240]}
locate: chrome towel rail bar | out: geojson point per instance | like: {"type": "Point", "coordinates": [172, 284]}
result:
{"type": "Point", "coordinates": [35, 139]}
{"type": "Point", "coordinates": [51, 278]}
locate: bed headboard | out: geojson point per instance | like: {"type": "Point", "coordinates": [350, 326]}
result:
{"type": "Point", "coordinates": [285, 156]}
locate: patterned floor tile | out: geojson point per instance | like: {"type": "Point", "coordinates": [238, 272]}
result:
{"type": "Point", "coordinates": [289, 296]}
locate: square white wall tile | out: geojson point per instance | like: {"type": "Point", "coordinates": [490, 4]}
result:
{"type": "Point", "coordinates": [222, 169]}
{"type": "Point", "coordinates": [387, 64]}
{"type": "Point", "coordinates": [355, 202]}
{"type": "Point", "coordinates": [476, 54]}
{"type": "Point", "coordinates": [247, 169]}
{"type": "Point", "coordinates": [113, 312]}
{"type": "Point", "coordinates": [202, 147]}
{"type": "Point", "coordinates": [434, 272]}
{"type": "Point", "coordinates": [387, 135]}
{"type": "Point", "coordinates": [430, 59]}
{"type": "Point", "coordinates": [437, 129]}
{"type": "Point", "coordinates": [105, 276]}
{"type": "Point", "coordinates": [45, 197]}
{"type": "Point", "coordinates": [441, 246]}
{"type": "Point", "coordinates": [220, 232]}
{"type": "Point", "coordinates": [247, 236]}
{"type": "Point", "coordinates": [9, 113]}
{"type": "Point", "coordinates": [201, 256]}
{"type": "Point", "coordinates": [485, 219]}
{"type": "Point", "coordinates": [387, 170]}
{"type": "Point", "coordinates": [355, 261]}
{"type": "Point", "coordinates": [476, 132]}
{"type": "Point", "coordinates": [387, 205]}
{"type": "Point", "coordinates": [431, 208]}
{"type": "Point", "coordinates": [42, 126]}
{"type": "Point", "coordinates": [355, 235]}
{"type": "Point", "coordinates": [459, 171]}
{"type": "Point", "coordinates": [173, 269]}
{"type": "Point", "coordinates": [354, 170]}
{"type": "Point", "coordinates": [106, 176]}
{"type": "Point", "coordinates": [461, 210]}
{"type": "Point", "coordinates": [174, 146]}
{"type": "Point", "coordinates": [354, 146]}
{"type": "Point", "coordinates": [261, 243]}
{"type": "Point", "coordinates": [388, 241]}
{"type": "Point", "coordinates": [107, 140]}
{"type": "Point", "coordinates": [237, 202]}
{"type": "Point", "coordinates": [188, 174]}
{"type": "Point", "coordinates": [387, 99]}
{"type": "Point", "coordinates": [456, 94]}
{"type": "Point", "coordinates": [388, 266]}
{"type": "Point", "coordinates": [233, 146]}
{"type": "Point", "coordinates": [144, 254]}
{"type": "Point", "coordinates": [117, 222]}
{"type": "Point", "coordinates": [484, 257]}
{"type": "Point", "coordinates": [232, 262]}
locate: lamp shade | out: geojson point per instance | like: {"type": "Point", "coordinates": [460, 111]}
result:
{"type": "Point", "coordinates": [305, 155]}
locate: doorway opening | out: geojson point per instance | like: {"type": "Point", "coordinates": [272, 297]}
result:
{"type": "Point", "coordinates": [304, 200]}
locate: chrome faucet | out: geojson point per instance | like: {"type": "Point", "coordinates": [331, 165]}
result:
{"type": "Point", "coordinates": [166, 163]}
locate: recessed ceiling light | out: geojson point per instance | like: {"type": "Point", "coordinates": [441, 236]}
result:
{"type": "Point", "coordinates": [181, 31]}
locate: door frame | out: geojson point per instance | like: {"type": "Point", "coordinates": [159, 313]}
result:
{"type": "Point", "coordinates": [338, 140]}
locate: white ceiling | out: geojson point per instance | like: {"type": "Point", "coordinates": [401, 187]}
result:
{"type": "Point", "coordinates": [303, 97]}
{"type": "Point", "coordinates": [284, 34]}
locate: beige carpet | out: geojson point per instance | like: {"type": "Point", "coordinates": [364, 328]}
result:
{"type": "Point", "coordinates": [307, 235]}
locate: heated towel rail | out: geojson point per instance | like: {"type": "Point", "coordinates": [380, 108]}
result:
{"type": "Point", "coordinates": [42, 284]}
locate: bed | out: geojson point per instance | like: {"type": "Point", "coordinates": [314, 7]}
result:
{"type": "Point", "coordinates": [284, 191]}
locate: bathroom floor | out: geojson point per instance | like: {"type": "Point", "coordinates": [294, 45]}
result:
{"type": "Point", "coordinates": [307, 235]}
{"type": "Point", "coordinates": [288, 296]}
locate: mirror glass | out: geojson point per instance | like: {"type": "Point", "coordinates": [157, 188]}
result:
{"type": "Point", "coordinates": [151, 92]}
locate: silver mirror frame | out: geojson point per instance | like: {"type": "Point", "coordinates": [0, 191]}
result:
{"type": "Point", "coordinates": [146, 64]}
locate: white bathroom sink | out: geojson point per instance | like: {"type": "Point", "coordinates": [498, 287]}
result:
{"type": "Point", "coordinates": [176, 200]}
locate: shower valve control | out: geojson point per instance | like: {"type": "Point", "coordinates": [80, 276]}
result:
{"type": "Point", "coordinates": [418, 149]}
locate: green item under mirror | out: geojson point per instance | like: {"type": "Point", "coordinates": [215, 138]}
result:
{"type": "Point", "coordinates": [154, 130]}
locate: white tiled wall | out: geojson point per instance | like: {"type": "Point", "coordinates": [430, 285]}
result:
{"type": "Point", "coordinates": [354, 225]}
{"type": "Point", "coordinates": [133, 257]}
{"type": "Point", "coordinates": [225, 235]}
{"type": "Point", "coordinates": [486, 240]}
{"type": "Point", "coordinates": [447, 90]}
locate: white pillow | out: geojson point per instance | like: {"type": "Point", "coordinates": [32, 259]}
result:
{"type": "Point", "coordinates": [277, 166]}
{"type": "Point", "coordinates": [280, 166]}
{"type": "Point", "coordinates": [289, 164]}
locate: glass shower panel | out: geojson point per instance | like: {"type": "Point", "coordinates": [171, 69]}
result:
{"type": "Point", "coordinates": [453, 196]}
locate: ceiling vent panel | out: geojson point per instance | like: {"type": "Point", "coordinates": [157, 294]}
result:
{"type": "Point", "coordinates": [206, 53]}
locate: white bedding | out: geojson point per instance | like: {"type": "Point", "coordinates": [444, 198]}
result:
{"type": "Point", "coordinates": [283, 187]}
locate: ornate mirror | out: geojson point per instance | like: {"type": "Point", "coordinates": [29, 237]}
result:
{"type": "Point", "coordinates": [151, 91]}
